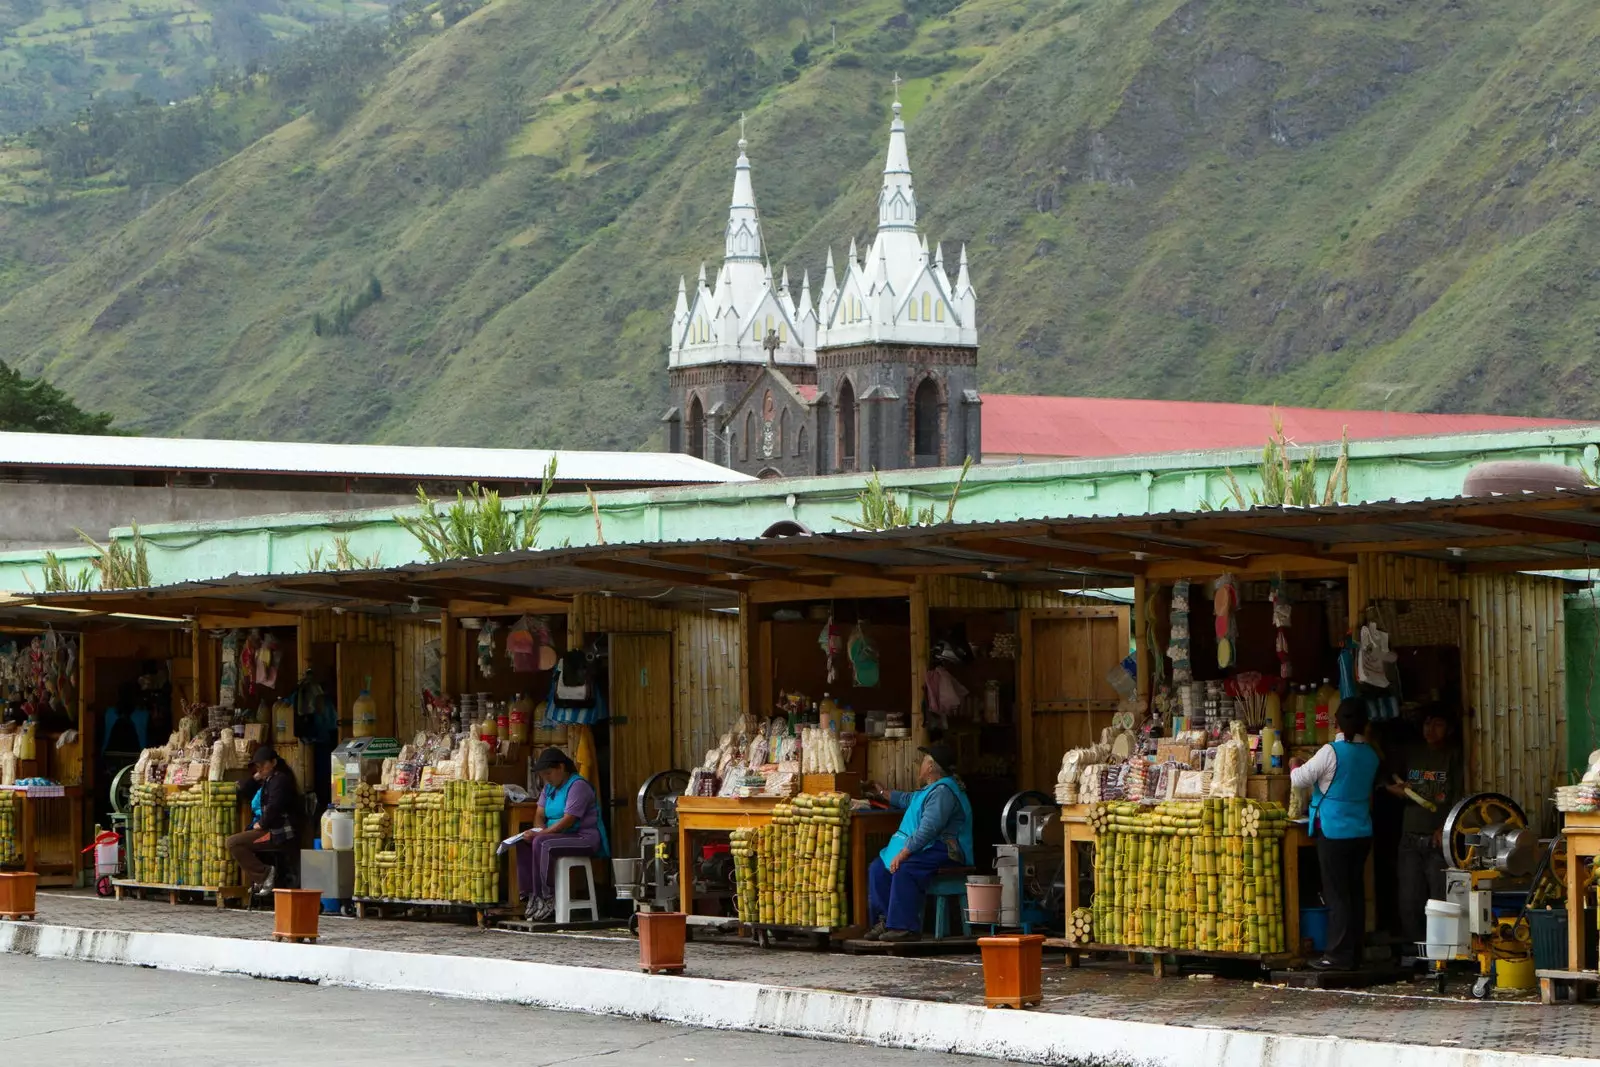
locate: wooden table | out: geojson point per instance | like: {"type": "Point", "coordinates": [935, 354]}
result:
{"type": "Point", "coordinates": [51, 874]}
{"type": "Point", "coordinates": [1075, 823]}
{"type": "Point", "coordinates": [699, 815]}
{"type": "Point", "coordinates": [1583, 842]}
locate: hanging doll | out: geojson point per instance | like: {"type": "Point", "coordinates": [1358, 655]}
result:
{"type": "Point", "coordinates": [266, 672]}
{"type": "Point", "coordinates": [863, 658]}
{"type": "Point", "coordinates": [228, 683]}
{"type": "Point", "coordinates": [247, 663]}
{"type": "Point", "coordinates": [831, 641]}
{"type": "Point", "coordinates": [1282, 615]}
{"type": "Point", "coordinates": [486, 648]}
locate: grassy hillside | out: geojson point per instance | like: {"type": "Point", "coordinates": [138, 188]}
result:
{"type": "Point", "coordinates": [58, 55]}
{"type": "Point", "coordinates": [1220, 199]}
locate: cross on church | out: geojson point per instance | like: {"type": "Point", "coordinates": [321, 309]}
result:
{"type": "Point", "coordinates": [770, 343]}
{"type": "Point", "coordinates": [741, 125]}
{"type": "Point", "coordinates": [895, 81]}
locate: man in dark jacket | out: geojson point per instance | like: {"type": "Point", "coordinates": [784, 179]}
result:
{"type": "Point", "coordinates": [272, 797]}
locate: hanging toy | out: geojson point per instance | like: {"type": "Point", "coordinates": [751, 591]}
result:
{"type": "Point", "coordinates": [1225, 599]}
{"type": "Point", "coordinates": [1282, 616]}
{"type": "Point", "coordinates": [863, 658]}
{"type": "Point", "coordinates": [486, 648]}
{"type": "Point", "coordinates": [228, 684]}
{"type": "Point", "coordinates": [831, 641]}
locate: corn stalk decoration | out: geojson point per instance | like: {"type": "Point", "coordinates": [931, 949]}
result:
{"type": "Point", "coordinates": [1287, 484]}
{"type": "Point", "coordinates": [343, 558]}
{"type": "Point", "coordinates": [478, 523]}
{"type": "Point", "coordinates": [57, 579]}
{"type": "Point", "coordinates": [881, 511]}
{"type": "Point", "coordinates": [118, 565]}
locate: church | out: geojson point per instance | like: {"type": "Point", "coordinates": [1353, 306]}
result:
{"type": "Point", "coordinates": [879, 373]}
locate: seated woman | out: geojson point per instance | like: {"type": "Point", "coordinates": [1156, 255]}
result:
{"type": "Point", "coordinates": [273, 800]}
{"type": "Point", "coordinates": [567, 823]}
{"type": "Point", "coordinates": [935, 832]}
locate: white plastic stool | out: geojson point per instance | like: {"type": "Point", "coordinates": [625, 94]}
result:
{"type": "Point", "coordinates": [565, 905]}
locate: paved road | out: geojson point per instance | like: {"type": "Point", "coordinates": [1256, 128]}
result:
{"type": "Point", "coordinates": [66, 1014]}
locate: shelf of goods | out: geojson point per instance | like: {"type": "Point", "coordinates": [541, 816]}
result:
{"type": "Point", "coordinates": [790, 875]}
{"type": "Point", "coordinates": [179, 841]}
{"type": "Point", "coordinates": [432, 848]}
{"type": "Point", "coordinates": [1199, 878]}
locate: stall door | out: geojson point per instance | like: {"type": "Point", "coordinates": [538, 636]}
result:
{"type": "Point", "coordinates": [641, 723]}
{"type": "Point", "coordinates": [359, 661]}
{"type": "Point", "coordinates": [1066, 700]}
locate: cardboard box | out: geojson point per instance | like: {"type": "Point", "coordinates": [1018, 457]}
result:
{"type": "Point", "coordinates": [849, 784]}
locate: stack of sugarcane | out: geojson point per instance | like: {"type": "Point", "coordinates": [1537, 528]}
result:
{"type": "Point", "coordinates": [148, 825]}
{"type": "Point", "coordinates": [200, 820]}
{"type": "Point", "coordinates": [436, 846]}
{"type": "Point", "coordinates": [802, 858]}
{"type": "Point", "coordinates": [10, 828]}
{"type": "Point", "coordinates": [374, 831]}
{"type": "Point", "coordinates": [1080, 926]}
{"type": "Point", "coordinates": [1205, 875]}
{"type": "Point", "coordinates": [747, 894]}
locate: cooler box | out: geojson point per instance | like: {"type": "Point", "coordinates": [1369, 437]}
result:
{"type": "Point", "coordinates": [333, 874]}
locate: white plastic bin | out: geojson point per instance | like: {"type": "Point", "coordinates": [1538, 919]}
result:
{"type": "Point", "coordinates": [1446, 930]}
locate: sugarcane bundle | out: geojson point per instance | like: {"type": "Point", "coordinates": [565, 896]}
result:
{"type": "Point", "coordinates": [10, 832]}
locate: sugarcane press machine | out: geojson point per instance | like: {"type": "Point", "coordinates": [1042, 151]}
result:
{"type": "Point", "coordinates": [1488, 847]}
{"type": "Point", "coordinates": [1031, 871]}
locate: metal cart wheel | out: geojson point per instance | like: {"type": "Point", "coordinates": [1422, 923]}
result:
{"type": "Point", "coordinates": [1482, 986]}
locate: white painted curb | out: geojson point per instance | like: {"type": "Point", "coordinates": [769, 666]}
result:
{"type": "Point", "coordinates": [1032, 1037]}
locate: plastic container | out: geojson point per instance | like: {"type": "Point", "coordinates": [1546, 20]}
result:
{"type": "Point", "coordinates": [521, 714]}
{"type": "Point", "coordinates": [344, 831]}
{"type": "Point", "coordinates": [1548, 929]}
{"type": "Point", "coordinates": [983, 899]}
{"type": "Point", "coordinates": [1446, 929]}
{"type": "Point", "coordinates": [325, 838]}
{"type": "Point", "coordinates": [364, 714]}
{"type": "Point", "coordinates": [1514, 974]}
{"type": "Point", "coordinates": [1314, 927]}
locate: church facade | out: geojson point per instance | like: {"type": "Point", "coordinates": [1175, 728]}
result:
{"type": "Point", "coordinates": [879, 372]}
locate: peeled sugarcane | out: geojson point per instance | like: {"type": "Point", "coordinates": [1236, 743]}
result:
{"type": "Point", "coordinates": [10, 833]}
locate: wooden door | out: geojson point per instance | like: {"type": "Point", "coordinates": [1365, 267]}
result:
{"type": "Point", "coordinates": [1066, 700]}
{"type": "Point", "coordinates": [359, 661]}
{"type": "Point", "coordinates": [641, 724]}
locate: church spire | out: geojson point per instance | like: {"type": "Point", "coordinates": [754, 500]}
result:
{"type": "Point", "coordinates": [897, 203]}
{"type": "Point", "coordinates": [744, 222]}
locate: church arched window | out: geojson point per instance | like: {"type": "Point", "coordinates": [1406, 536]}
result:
{"type": "Point", "coordinates": [800, 442]}
{"type": "Point", "coordinates": [755, 331]}
{"type": "Point", "coordinates": [697, 429]}
{"type": "Point", "coordinates": [783, 333]}
{"type": "Point", "coordinates": [749, 434]}
{"type": "Point", "coordinates": [911, 309]}
{"type": "Point", "coordinates": [938, 311]}
{"type": "Point", "coordinates": [847, 425]}
{"type": "Point", "coordinates": [926, 300]}
{"type": "Point", "coordinates": [925, 429]}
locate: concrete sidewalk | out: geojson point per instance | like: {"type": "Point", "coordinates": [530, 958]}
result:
{"type": "Point", "coordinates": [1111, 1012]}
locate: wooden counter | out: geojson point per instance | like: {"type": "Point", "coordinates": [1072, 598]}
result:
{"type": "Point", "coordinates": [63, 836]}
{"type": "Point", "coordinates": [700, 815]}
{"type": "Point", "coordinates": [1583, 842]}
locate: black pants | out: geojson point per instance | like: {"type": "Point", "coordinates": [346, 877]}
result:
{"type": "Point", "coordinates": [1421, 872]}
{"type": "Point", "coordinates": [1344, 890]}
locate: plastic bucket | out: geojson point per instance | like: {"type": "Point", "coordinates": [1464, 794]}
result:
{"type": "Point", "coordinates": [344, 831]}
{"type": "Point", "coordinates": [1314, 927]}
{"type": "Point", "coordinates": [625, 876]}
{"type": "Point", "coordinates": [1446, 928]}
{"type": "Point", "coordinates": [983, 899]}
{"type": "Point", "coordinates": [1514, 974]}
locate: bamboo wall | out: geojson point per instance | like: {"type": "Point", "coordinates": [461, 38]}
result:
{"type": "Point", "coordinates": [705, 669]}
{"type": "Point", "coordinates": [1513, 662]}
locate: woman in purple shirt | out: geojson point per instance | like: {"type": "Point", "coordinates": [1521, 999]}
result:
{"type": "Point", "coordinates": [567, 823]}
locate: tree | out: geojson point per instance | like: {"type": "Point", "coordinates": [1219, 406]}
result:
{"type": "Point", "coordinates": [34, 405]}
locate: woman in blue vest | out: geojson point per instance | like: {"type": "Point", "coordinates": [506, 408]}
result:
{"type": "Point", "coordinates": [1341, 777]}
{"type": "Point", "coordinates": [935, 832]}
{"type": "Point", "coordinates": [566, 823]}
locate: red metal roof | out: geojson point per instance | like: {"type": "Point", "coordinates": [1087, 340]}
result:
{"type": "Point", "coordinates": [1084, 426]}
{"type": "Point", "coordinates": [807, 392]}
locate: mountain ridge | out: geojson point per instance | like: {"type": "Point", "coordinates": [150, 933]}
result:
{"type": "Point", "coordinates": [1208, 199]}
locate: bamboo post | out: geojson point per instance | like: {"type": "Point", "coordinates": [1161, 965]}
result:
{"type": "Point", "coordinates": [1141, 640]}
{"type": "Point", "coordinates": [919, 654]}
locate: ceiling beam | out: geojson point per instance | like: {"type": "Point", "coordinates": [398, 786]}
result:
{"type": "Point", "coordinates": [1254, 542]}
{"type": "Point", "coordinates": [1047, 554]}
{"type": "Point", "coordinates": [1537, 524]}
{"type": "Point", "coordinates": [836, 566]}
{"type": "Point", "coordinates": [1129, 543]}
{"type": "Point", "coordinates": [656, 574]}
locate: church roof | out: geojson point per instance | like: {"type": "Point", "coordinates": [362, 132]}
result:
{"type": "Point", "coordinates": [1085, 427]}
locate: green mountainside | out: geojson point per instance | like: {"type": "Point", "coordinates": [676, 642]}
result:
{"type": "Point", "coordinates": [56, 56]}
{"type": "Point", "coordinates": [1362, 204]}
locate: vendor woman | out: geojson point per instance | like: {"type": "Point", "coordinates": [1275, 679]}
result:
{"type": "Point", "coordinates": [273, 799]}
{"type": "Point", "coordinates": [566, 823]}
{"type": "Point", "coordinates": [1341, 777]}
{"type": "Point", "coordinates": [935, 832]}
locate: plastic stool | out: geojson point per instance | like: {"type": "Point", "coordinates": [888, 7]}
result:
{"type": "Point", "coordinates": [565, 905]}
{"type": "Point", "coordinates": [948, 890]}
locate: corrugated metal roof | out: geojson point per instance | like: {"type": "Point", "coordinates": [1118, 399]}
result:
{"type": "Point", "coordinates": [1085, 426]}
{"type": "Point", "coordinates": [355, 461]}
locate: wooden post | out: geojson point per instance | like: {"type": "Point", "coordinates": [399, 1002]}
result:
{"type": "Point", "coordinates": [1141, 640]}
{"type": "Point", "coordinates": [749, 640]}
{"type": "Point", "coordinates": [919, 655]}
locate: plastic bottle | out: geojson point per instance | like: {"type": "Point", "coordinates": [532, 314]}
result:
{"type": "Point", "coordinates": [1324, 714]}
{"type": "Point", "coordinates": [521, 713]}
{"type": "Point", "coordinates": [1301, 727]}
{"type": "Point", "coordinates": [1277, 756]}
{"type": "Point", "coordinates": [1269, 741]}
{"type": "Point", "coordinates": [364, 713]}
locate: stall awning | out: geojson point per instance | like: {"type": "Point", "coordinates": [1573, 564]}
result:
{"type": "Point", "coordinates": [1527, 532]}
